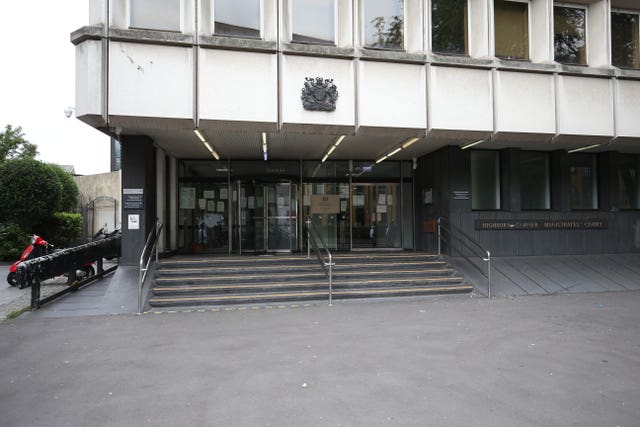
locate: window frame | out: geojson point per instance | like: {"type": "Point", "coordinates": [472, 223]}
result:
{"type": "Point", "coordinates": [549, 182]}
{"type": "Point", "coordinates": [363, 29]}
{"type": "Point", "coordinates": [469, 35]}
{"type": "Point", "coordinates": [499, 176]}
{"type": "Point", "coordinates": [629, 159]}
{"type": "Point", "coordinates": [335, 25]}
{"type": "Point", "coordinates": [529, 35]}
{"type": "Point", "coordinates": [586, 31]}
{"type": "Point", "coordinates": [212, 15]}
{"type": "Point", "coordinates": [628, 12]}
{"type": "Point", "coordinates": [580, 158]}
{"type": "Point", "coordinates": [133, 27]}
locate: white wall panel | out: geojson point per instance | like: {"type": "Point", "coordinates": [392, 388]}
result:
{"type": "Point", "coordinates": [89, 78]}
{"type": "Point", "coordinates": [585, 106]}
{"type": "Point", "coordinates": [525, 102]}
{"type": "Point", "coordinates": [460, 99]}
{"type": "Point", "coordinates": [294, 71]}
{"type": "Point", "coordinates": [238, 86]}
{"type": "Point", "coordinates": [392, 95]}
{"type": "Point", "coordinates": [150, 81]}
{"type": "Point", "coordinates": [628, 108]}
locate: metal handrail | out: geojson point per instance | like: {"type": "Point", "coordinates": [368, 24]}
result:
{"type": "Point", "coordinates": [312, 241]}
{"type": "Point", "coordinates": [142, 274]}
{"type": "Point", "coordinates": [464, 243]}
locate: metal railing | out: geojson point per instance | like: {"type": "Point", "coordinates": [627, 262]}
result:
{"type": "Point", "coordinates": [454, 233]}
{"type": "Point", "coordinates": [315, 242]}
{"type": "Point", "coordinates": [150, 247]}
{"type": "Point", "coordinates": [66, 261]}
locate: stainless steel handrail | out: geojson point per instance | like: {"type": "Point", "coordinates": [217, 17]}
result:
{"type": "Point", "coordinates": [477, 245]}
{"type": "Point", "coordinates": [312, 241]}
{"type": "Point", "coordinates": [142, 274]}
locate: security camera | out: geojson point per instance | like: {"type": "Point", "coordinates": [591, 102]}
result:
{"type": "Point", "coordinates": [68, 112]}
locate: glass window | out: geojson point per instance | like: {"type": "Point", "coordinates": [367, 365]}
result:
{"type": "Point", "coordinates": [569, 38]}
{"type": "Point", "coordinates": [384, 24]}
{"type": "Point", "coordinates": [512, 29]}
{"type": "Point", "coordinates": [155, 14]}
{"type": "Point", "coordinates": [485, 180]}
{"type": "Point", "coordinates": [363, 171]}
{"type": "Point", "coordinates": [330, 169]}
{"type": "Point", "coordinates": [449, 26]}
{"type": "Point", "coordinates": [629, 184]}
{"type": "Point", "coordinates": [624, 40]}
{"type": "Point", "coordinates": [584, 181]}
{"type": "Point", "coordinates": [534, 181]}
{"type": "Point", "coordinates": [239, 18]}
{"type": "Point", "coordinates": [313, 21]}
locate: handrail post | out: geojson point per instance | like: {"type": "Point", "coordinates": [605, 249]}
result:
{"type": "Point", "coordinates": [140, 290]}
{"type": "Point", "coordinates": [330, 278]}
{"type": "Point", "coordinates": [308, 222]}
{"type": "Point", "coordinates": [439, 237]}
{"type": "Point", "coordinates": [489, 274]}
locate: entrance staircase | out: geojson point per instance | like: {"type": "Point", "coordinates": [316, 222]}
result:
{"type": "Point", "coordinates": [224, 280]}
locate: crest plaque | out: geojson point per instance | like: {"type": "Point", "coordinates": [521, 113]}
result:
{"type": "Point", "coordinates": [319, 94]}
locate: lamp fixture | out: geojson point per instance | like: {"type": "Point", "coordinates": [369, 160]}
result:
{"type": "Point", "coordinates": [264, 146]}
{"type": "Point", "coordinates": [402, 146]}
{"type": "Point", "coordinates": [471, 144]}
{"type": "Point", "coordinates": [200, 135]}
{"type": "Point", "coordinates": [333, 147]}
{"type": "Point", "coordinates": [588, 147]}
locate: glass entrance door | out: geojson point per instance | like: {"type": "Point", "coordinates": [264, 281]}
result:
{"type": "Point", "coordinates": [267, 216]}
{"type": "Point", "coordinates": [376, 216]}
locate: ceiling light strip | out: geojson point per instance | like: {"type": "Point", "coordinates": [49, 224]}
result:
{"type": "Point", "coordinates": [588, 147]}
{"type": "Point", "coordinates": [471, 144]}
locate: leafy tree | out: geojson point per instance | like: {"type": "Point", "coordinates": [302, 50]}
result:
{"type": "Point", "coordinates": [14, 146]}
{"type": "Point", "coordinates": [70, 193]}
{"type": "Point", "coordinates": [31, 193]}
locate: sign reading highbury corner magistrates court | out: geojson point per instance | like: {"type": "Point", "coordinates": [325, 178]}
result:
{"type": "Point", "coordinates": [541, 224]}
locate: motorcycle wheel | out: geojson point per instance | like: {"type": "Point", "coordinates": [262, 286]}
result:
{"type": "Point", "coordinates": [11, 279]}
{"type": "Point", "coordinates": [85, 272]}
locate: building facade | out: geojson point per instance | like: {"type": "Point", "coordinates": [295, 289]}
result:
{"type": "Point", "coordinates": [516, 120]}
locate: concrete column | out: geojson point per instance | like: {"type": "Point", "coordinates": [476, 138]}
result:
{"type": "Point", "coordinates": [138, 160]}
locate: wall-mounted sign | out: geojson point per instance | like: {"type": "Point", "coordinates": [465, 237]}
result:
{"type": "Point", "coordinates": [319, 94]}
{"type": "Point", "coordinates": [541, 224]}
{"type": "Point", "coordinates": [133, 198]}
{"type": "Point", "coordinates": [460, 195]}
{"type": "Point", "coordinates": [133, 222]}
{"type": "Point", "coordinates": [325, 204]}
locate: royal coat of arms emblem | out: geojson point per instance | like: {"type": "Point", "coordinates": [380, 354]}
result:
{"type": "Point", "coordinates": [319, 94]}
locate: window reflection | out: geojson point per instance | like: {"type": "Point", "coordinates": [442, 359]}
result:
{"type": "Point", "coordinates": [584, 181]}
{"type": "Point", "coordinates": [629, 183]}
{"type": "Point", "coordinates": [570, 35]}
{"type": "Point", "coordinates": [512, 29]}
{"type": "Point", "coordinates": [313, 21]}
{"type": "Point", "coordinates": [449, 26]}
{"type": "Point", "coordinates": [155, 14]}
{"type": "Point", "coordinates": [534, 180]}
{"type": "Point", "coordinates": [624, 40]}
{"type": "Point", "coordinates": [239, 18]}
{"type": "Point", "coordinates": [485, 180]}
{"type": "Point", "coordinates": [384, 24]}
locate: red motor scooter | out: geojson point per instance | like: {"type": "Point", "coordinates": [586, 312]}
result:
{"type": "Point", "coordinates": [37, 247]}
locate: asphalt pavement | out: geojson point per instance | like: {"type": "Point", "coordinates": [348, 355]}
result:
{"type": "Point", "coordinates": [568, 359]}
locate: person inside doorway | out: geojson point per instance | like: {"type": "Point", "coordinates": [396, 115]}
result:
{"type": "Point", "coordinates": [372, 235]}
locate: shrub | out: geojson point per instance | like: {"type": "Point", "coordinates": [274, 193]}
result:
{"type": "Point", "coordinates": [65, 229]}
{"type": "Point", "coordinates": [70, 193]}
{"type": "Point", "coordinates": [12, 241]}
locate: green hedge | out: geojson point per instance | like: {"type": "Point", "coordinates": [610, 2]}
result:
{"type": "Point", "coordinates": [12, 241]}
{"type": "Point", "coordinates": [65, 229]}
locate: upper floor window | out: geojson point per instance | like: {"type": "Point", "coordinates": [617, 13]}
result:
{"type": "Point", "coordinates": [569, 39]}
{"type": "Point", "coordinates": [584, 181]}
{"type": "Point", "coordinates": [534, 180]}
{"type": "Point", "coordinates": [313, 21]}
{"type": "Point", "coordinates": [511, 29]}
{"type": "Point", "coordinates": [238, 18]}
{"type": "Point", "coordinates": [383, 22]}
{"type": "Point", "coordinates": [485, 180]}
{"type": "Point", "coordinates": [449, 23]}
{"type": "Point", "coordinates": [624, 40]}
{"type": "Point", "coordinates": [155, 14]}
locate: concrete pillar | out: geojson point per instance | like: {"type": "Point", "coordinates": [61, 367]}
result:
{"type": "Point", "coordinates": [161, 194]}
